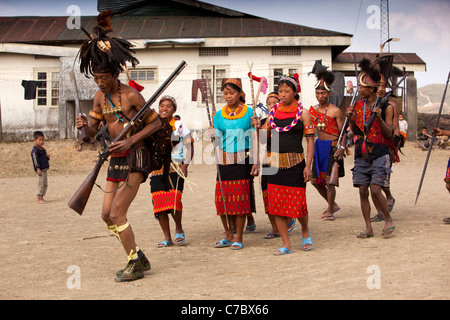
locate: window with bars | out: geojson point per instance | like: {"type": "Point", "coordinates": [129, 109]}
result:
{"type": "Point", "coordinates": [286, 51]}
{"type": "Point", "coordinates": [280, 71]}
{"type": "Point", "coordinates": [213, 52]}
{"type": "Point", "coordinates": [47, 94]}
{"type": "Point", "coordinates": [215, 76]}
{"type": "Point", "coordinates": [143, 75]}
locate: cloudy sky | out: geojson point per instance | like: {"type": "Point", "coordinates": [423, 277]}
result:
{"type": "Point", "coordinates": [422, 26]}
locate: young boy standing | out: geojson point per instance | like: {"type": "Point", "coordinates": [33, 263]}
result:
{"type": "Point", "coordinates": [41, 165]}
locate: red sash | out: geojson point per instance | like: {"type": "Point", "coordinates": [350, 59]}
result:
{"type": "Point", "coordinates": [375, 134]}
{"type": "Point", "coordinates": [331, 123]}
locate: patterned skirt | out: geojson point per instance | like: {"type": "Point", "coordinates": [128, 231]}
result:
{"type": "Point", "coordinates": [238, 190]}
{"type": "Point", "coordinates": [287, 192]}
{"type": "Point", "coordinates": [447, 176]}
{"type": "Point", "coordinates": [166, 200]}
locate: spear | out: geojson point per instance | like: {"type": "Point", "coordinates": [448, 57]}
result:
{"type": "Point", "coordinates": [432, 140]}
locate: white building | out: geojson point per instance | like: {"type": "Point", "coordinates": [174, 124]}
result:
{"type": "Point", "coordinates": [215, 42]}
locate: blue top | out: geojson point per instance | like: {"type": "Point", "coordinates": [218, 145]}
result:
{"type": "Point", "coordinates": [234, 135]}
{"type": "Point", "coordinates": [39, 157]}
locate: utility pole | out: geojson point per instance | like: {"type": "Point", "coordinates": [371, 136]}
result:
{"type": "Point", "coordinates": [384, 25]}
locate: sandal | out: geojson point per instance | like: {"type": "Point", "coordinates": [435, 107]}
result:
{"type": "Point", "coordinates": [179, 236]}
{"type": "Point", "coordinates": [271, 235]}
{"type": "Point", "coordinates": [250, 228]}
{"type": "Point", "coordinates": [237, 246]}
{"type": "Point", "coordinates": [291, 225]}
{"type": "Point", "coordinates": [363, 235]}
{"type": "Point", "coordinates": [165, 244]}
{"type": "Point", "coordinates": [388, 231]}
{"type": "Point", "coordinates": [222, 244]}
{"type": "Point", "coordinates": [282, 251]}
{"type": "Point", "coordinates": [307, 241]}
{"type": "Point", "coordinates": [328, 218]}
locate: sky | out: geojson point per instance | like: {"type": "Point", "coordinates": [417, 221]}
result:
{"type": "Point", "coordinates": [422, 26]}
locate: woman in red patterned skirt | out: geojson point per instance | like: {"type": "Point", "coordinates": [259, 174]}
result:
{"type": "Point", "coordinates": [288, 123]}
{"type": "Point", "coordinates": [233, 195]}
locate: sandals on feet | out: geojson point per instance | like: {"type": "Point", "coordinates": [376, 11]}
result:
{"type": "Point", "coordinates": [282, 251]}
{"type": "Point", "coordinates": [222, 244]}
{"type": "Point", "coordinates": [180, 236]}
{"type": "Point", "coordinates": [165, 244]}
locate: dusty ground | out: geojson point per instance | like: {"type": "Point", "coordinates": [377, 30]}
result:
{"type": "Point", "coordinates": [42, 245]}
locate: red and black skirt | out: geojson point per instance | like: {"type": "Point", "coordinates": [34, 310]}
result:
{"type": "Point", "coordinates": [166, 200]}
{"type": "Point", "coordinates": [238, 190]}
{"type": "Point", "coordinates": [287, 192]}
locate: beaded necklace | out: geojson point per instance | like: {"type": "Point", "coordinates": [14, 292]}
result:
{"type": "Point", "coordinates": [113, 108]}
{"type": "Point", "coordinates": [293, 123]}
{"type": "Point", "coordinates": [321, 124]}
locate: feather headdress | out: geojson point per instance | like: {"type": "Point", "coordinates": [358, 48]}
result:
{"type": "Point", "coordinates": [103, 53]}
{"type": "Point", "coordinates": [324, 80]}
{"type": "Point", "coordinates": [369, 76]}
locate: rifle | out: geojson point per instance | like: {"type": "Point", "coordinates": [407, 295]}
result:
{"type": "Point", "coordinates": [84, 137]}
{"type": "Point", "coordinates": [334, 176]}
{"type": "Point", "coordinates": [81, 196]}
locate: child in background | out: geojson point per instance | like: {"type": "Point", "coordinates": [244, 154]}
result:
{"type": "Point", "coordinates": [41, 165]}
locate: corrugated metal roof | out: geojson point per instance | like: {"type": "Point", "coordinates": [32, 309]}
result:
{"type": "Point", "coordinates": [399, 58]}
{"type": "Point", "coordinates": [54, 29]}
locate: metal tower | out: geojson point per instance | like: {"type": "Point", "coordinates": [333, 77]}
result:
{"type": "Point", "coordinates": [384, 25]}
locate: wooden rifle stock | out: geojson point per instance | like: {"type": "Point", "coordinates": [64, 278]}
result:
{"type": "Point", "coordinates": [81, 196]}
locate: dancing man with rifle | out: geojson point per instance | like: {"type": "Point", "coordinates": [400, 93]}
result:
{"type": "Point", "coordinates": [115, 104]}
{"type": "Point", "coordinates": [328, 120]}
{"type": "Point", "coordinates": [372, 147]}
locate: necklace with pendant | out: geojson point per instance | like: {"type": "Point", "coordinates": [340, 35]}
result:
{"type": "Point", "coordinates": [321, 124]}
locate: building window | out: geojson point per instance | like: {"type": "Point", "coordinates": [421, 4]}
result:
{"type": "Point", "coordinates": [286, 51]}
{"type": "Point", "coordinates": [143, 75]}
{"type": "Point", "coordinates": [213, 52]}
{"type": "Point", "coordinates": [215, 76]}
{"type": "Point", "coordinates": [279, 71]}
{"type": "Point", "coordinates": [47, 94]}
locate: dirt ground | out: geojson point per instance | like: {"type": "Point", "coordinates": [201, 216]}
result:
{"type": "Point", "coordinates": [47, 251]}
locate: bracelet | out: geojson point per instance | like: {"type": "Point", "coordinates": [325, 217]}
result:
{"type": "Point", "coordinates": [342, 147]}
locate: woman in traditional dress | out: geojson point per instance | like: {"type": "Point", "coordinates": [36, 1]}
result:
{"type": "Point", "coordinates": [288, 123]}
{"type": "Point", "coordinates": [233, 195]}
{"type": "Point", "coordinates": [271, 100]}
{"type": "Point", "coordinates": [169, 202]}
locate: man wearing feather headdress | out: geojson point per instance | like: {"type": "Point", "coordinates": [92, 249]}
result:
{"type": "Point", "coordinates": [115, 104]}
{"type": "Point", "coordinates": [372, 149]}
{"type": "Point", "coordinates": [328, 120]}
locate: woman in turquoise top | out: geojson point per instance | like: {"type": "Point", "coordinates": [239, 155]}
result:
{"type": "Point", "coordinates": [236, 168]}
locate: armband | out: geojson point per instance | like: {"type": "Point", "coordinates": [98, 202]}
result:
{"type": "Point", "coordinates": [95, 115]}
{"type": "Point", "coordinates": [309, 130]}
